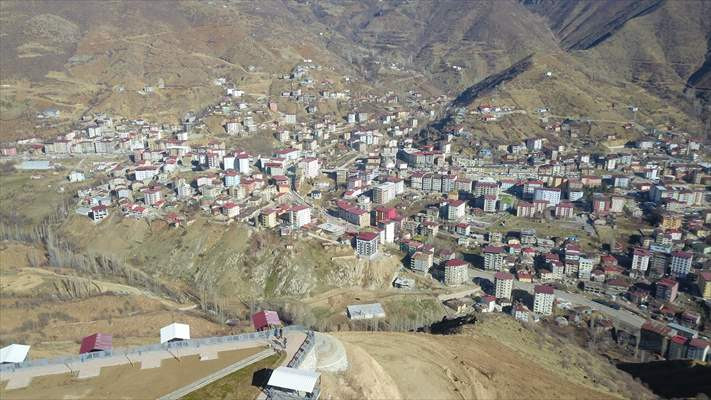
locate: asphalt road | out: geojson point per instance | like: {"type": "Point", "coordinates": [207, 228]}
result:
{"type": "Point", "coordinates": [622, 316]}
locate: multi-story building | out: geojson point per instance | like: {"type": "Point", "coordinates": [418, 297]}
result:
{"type": "Point", "coordinates": [456, 272]}
{"type": "Point", "coordinates": [670, 221]}
{"type": "Point", "coordinates": [311, 167]}
{"type": "Point", "coordinates": [384, 193]}
{"type": "Point", "coordinates": [525, 209]}
{"type": "Point", "coordinates": [456, 209]}
{"type": "Point", "coordinates": [367, 244]}
{"type": "Point", "coordinates": [493, 258]}
{"type": "Point", "coordinates": [529, 188]}
{"type": "Point", "coordinates": [572, 252]}
{"type": "Point", "coordinates": [681, 263]}
{"type": "Point", "coordinates": [489, 204]}
{"type": "Point", "coordinates": [705, 284]}
{"type": "Point", "coordinates": [232, 178]}
{"type": "Point", "coordinates": [600, 203]}
{"type": "Point", "coordinates": [585, 266]}
{"type": "Point", "coordinates": [666, 289]}
{"type": "Point", "coordinates": [353, 214]}
{"type": "Point", "coordinates": [300, 216]}
{"type": "Point", "coordinates": [504, 284]}
{"type": "Point", "coordinates": [698, 349]}
{"type": "Point", "coordinates": [230, 209]}
{"type": "Point", "coordinates": [564, 209]}
{"type": "Point", "coordinates": [421, 261]}
{"type": "Point", "coordinates": [551, 195]}
{"type": "Point", "coordinates": [98, 213]}
{"type": "Point", "coordinates": [268, 218]}
{"type": "Point", "coordinates": [151, 196]}
{"type": "Point", "coordinates": [543, 299]}
{"type": "Point", "coordinates": [243, 161]}
{"type": "Point", "coordinates": [640, 260]}
{"type": "Point", "coordinates": [485, 188]}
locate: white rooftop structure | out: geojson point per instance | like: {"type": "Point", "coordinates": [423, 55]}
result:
{"type": "Point", "coordinates": [174, 331]}
{"type": "Point", "coordinates": [14, 353]}
{"type": "Point", "coordinates": [365, 311]}
{"type": "Point", "coordinates": [300, 380]}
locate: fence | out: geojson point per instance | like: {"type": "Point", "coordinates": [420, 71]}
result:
{"type": "Point", "coordinates": [189, 343]}
{"type": "Point", "coordinates": [304, 349]}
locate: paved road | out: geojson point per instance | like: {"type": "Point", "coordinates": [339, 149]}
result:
{"type": "Point", "coordinates": [622, 316]}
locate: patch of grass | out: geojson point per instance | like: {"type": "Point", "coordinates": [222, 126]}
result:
{"type": "Point", "coordinates": [239, 384]}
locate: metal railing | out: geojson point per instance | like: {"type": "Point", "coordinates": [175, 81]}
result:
{"type": "Point", "coordinates": [304, 349]}
{"type": "Point", "coordinates": [134, 351]}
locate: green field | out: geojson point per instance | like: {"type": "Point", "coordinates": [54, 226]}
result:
{"type": "Point", "coordinates": [239, 384]}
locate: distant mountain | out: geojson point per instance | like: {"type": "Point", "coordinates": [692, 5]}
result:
{"type": "Point", "coordinates": [74, 55]}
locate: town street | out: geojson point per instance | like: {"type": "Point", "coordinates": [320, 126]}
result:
{"type": "Point", "coordinates": [622, 316]}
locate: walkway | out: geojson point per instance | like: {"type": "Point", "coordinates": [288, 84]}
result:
{"type": "Point", "coordinates": [185, 390]}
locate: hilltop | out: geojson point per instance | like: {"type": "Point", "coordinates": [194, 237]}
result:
{"type": "Point", "coordinates": [103, 56]}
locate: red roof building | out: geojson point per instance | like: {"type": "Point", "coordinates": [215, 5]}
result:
{"type": "Point", "coordinates": [95, 342]}
{"type": "Point", "coordinates": [265, 319]}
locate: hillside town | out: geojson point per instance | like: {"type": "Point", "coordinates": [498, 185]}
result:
{"type": "Point", "coordinates": [550, 231]}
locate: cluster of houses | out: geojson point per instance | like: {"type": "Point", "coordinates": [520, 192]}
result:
{"type": "Point", "coordinates": [402, 190]}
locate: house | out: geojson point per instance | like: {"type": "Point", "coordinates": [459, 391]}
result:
{"type": "Point", "coordinates": [98, 213]}
{"type": "Point", "coordinates": [14, 353]}
{"type": "Point", "coordinates": [174, 332]}
{"type": "Point", "coordinates": [76, 176]}
{"type": "Point", "coordinates": [293, 383]}
{"type": "Point", "coordinates": [487, 303]}
{"type": "Point", "coordinates": [521, 312]}
{"type": "Point", "coordinates": [265, 320]}
{"type": "Point", "coordinates": [367, 244]}
{"type": "Point", "coordinates": [544, 297]}
{"type": "Point", "coordinates": [96, 342]}
{"type": "Point", "coordinates": [456, 272]}
{"type": "Point", "coordinates": [365, 311]}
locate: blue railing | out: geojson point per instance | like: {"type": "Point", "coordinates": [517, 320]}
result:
{"type": "Point", "coordinates": [191, 343]}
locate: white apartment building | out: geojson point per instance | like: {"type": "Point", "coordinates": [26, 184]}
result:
{"type": "Point", "coordinates": [455, 272]}
{"type": "Point", "coordinates": [300, 216]}
{"type": "Point", "coordinates": [585, 267]}
{"type": "Point", "coordinates": [544, 296]}
{"type": "Point", "coordinates": [493, 258]}
{"type": "Point", "coordinates": [681, 263]}
{"type": "Point", "coordinates": [551, 195]}
{"type": "Point", "coordinates": [504, 285]}
{"type": "Point", "coordinates": [456, 209]}
{"type": "Point", "coordinates": [640, 260]}
{"type": "Point", "coordinates": [384, 193]}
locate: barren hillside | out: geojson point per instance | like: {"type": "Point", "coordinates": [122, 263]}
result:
{"type": "Point", "coordinates": [498, 358]}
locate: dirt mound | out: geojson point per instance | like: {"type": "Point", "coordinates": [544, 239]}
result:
{"type": "Point", "coordinates": [475, 364]}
